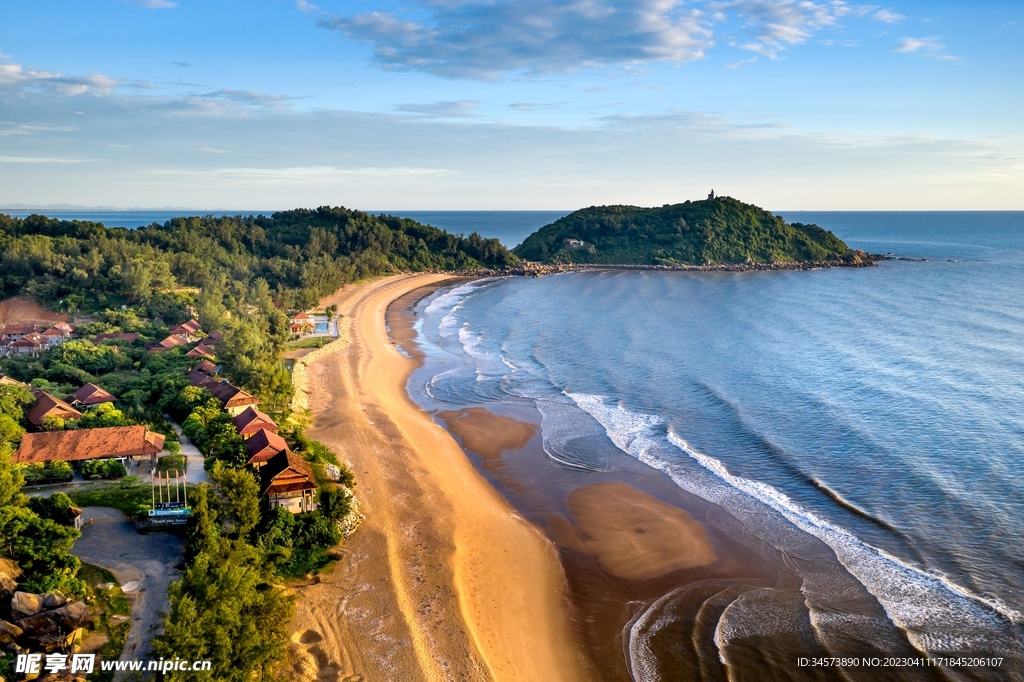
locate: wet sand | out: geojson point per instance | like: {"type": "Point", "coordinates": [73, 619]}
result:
{"type": "Point", "coordinates": [636, 536]}
{"type": "Point", "coordinates": [444, 580]}
{"type": "Point", "coordinates": [486, 433]}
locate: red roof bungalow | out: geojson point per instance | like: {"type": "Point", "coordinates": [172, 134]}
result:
{"type": "Point", "coordinates": [47, 405]}
{"type": "Point", "coordinates": [186, 329]}
{"type": "Point", "coordinates": [91, 394]}
{"type": "Point", "coordinates": [58, 333]}
{"type": "Point", "coordinates": [170, 342]}
{"type": "Point", "coordinates": [122, 442]}
{"type": "Point", "coordinates": [8, 381]}
{"type": "Point", "coordinates": [232, 398]}
{"type": "Point", "coordinates": [250, 420]}
{"type": "Point", "coordinates": [288, 482]}
{"type": "Point", "coordinates": [301, 323]}
{"type": "Point", "coordinates": [213, 338]}
{"type": "Point", "coordinates": [130, 337]}
{"type": "Point", "coordinates": [29, 344]}
{"type": "Point", "coordinates": [263, 446]}
{"type": "Point", "coordinates": [200, 351]}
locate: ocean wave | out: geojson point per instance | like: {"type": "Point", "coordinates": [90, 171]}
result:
{"type": "Point", "coordinates": [936, 613]}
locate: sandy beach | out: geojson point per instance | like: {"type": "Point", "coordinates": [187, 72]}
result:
{"type": "Point", "coordinates": [444, 581]}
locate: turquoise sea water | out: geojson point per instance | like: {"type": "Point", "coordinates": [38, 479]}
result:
{"type": "Point", "coordinates": [862, 427]}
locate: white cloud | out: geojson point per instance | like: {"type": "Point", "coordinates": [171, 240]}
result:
{"type": "Point", "coordinates": [486, 40]}
{"type": "Point", "coordinates": [929, 47]}
{"type": "Point", "coordinates": [887, 16]}
{"type": "Point", "coordinates": [246, 98]}
{"type": "Point", "coordinates": [15, 77]}
{"type": "Point", "coordinates": [28, 129]}
{"type": "Point", "coordinates": [460, 109]}
{"type": "Point", "coordinates": [304, 6]}
{"type": "Point", "coordinates": [301, 175]}
{"type": "Point", "coordinates": [39, 159]}
{"type": "Point", "coordinates": [154, 4]}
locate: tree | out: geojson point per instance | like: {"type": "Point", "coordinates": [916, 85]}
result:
{"type": "Point", "coordinates": [13, 401]}
{"type": "Point", "coordinates": [241, 493]}
{"type": "Point", "coordinates": [11, 479]}
{"type": "Point", "coordinates": [203, 532]}
{"type": "Point", "coordinates": [42, 548]}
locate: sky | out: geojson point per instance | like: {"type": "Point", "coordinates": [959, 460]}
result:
{"type": "Point", "coordinates": [511, 104]}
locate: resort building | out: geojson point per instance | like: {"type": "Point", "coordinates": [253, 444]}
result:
{"type": "Point", "coordinates": [50, 406]}
{"type": "Point", "coordinates": [233, 399]}
{"type": "Point", "coordinates": [8, 381]}
{"type": "Point", "coordinates": [250, 420]}
{"type": "Point", "coordinates": [200, 351]}
{"type": "Point", "coordinates": [172, 341]}
{"type": "Point", "coordinates": [263, 446]}
{"type": "Point", "coordinates": [29, 344]}
{"type": "Point", "coordinates": [32, 339]}
{"type": "Point", "coordinates": [187, 330]}
{"type": "Point", "coordinates": [124, 443]}
{"type": "Point", "coordinates": [288, 482]}
{"type": "Point", "coordinates": [91, 394]}
{"type": "Point", "coordinates": [301, 323]}
{"type": "Point", "coordinates": [57, 334]}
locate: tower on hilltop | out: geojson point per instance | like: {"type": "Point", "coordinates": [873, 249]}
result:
{"type": "Point", "coordinates": [711, 195]}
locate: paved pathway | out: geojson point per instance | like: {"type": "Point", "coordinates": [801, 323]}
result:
{"type": "Point", "coordinates": [194, 459]}
{"type": "Point", "coordinates": [109, 540]}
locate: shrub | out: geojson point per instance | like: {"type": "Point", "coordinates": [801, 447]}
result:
{"type": "Point", "coordinates": [103, 468]}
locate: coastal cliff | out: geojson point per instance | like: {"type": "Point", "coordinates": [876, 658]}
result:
{"type": "Point", "coordinates": [714, 233]}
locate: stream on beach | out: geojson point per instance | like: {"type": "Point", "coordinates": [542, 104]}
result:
{"type": "Point", "coordinates": [743, 470]}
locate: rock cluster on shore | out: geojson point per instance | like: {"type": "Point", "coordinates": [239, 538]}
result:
{"type": "Point", "coordinates": [43, 623]}
{"type": "Point", "coordinates": [853, 259]}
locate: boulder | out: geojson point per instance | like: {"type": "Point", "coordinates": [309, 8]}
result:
{"type": "Point", "coordinates": [9, 574]}
{"type": "Point", "coordinates": [25, 604]}
{"type": "Point", "coordinates": [52, 601]}
{"type": "Point", "coordinates": [9, 632]}
{"type": "Point", "coordinates": [56, 622]}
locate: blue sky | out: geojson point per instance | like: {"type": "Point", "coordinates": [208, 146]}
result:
{"type": "Point", "coordinates": [530, 104]}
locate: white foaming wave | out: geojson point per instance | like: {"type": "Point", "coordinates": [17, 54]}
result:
{"type": "Point", "coordinates": [558, 427]}
{"type": "Point", "coordinates": [936, 613]}
{"type": "Point", "coordinates": [449, 303]}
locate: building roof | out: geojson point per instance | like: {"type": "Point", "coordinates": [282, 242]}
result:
{"type": "Point", "coordinates": [200, 351]}
{"type": "Point", "coordinates": [287, 472]}
{"type": "Point", "coordinates": [47, 405]}
{"type": "Point", "coordinates": [251, 420]}
{"type": "Point", "coordinates": [8, 381]}
{"type": "Point", "coordinates": [91, 394]}
{"type": "Point", "coordinates": [82, 444]}
{"type": "Point", "coordinates": [21, 328]}
{"type": "Point", "coordinates": [263, 445]}
{"type": "Point", "coordinates": [230, 395]}
{"type": "Point", "coordinates": [172, 341]}
{"type": "Point", "coordinates": [205, 367]}
{"type": "Point", "coordinates": [57, 330]}
{"type": "Point", "coordinates": [190, 327]}
{"type": "Point", "coordinates": [29, 341]}
{"type": "Point", "coordinates": [131, 337]}
{"type": "Point", "coordinates": [213, 337]}
{"type": "Point", "coordinates": [299, 317]}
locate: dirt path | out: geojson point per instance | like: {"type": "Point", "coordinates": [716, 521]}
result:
{"type": "Point", "coordinates": [443, 581]}
{"type": "Point", "coordinates": [151, 561]}
{"type": "Point", "coordinates": [20, 310]}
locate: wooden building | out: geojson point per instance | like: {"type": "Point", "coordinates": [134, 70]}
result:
{"type": "Point", "coordinates": [263, 446]}
{"type": "Point", "coordinates": [288, 482]}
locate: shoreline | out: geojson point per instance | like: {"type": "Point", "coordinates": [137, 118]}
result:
{"type": "Point", "coordinates": [444, 580]}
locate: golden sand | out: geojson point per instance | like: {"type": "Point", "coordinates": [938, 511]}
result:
{"type": "Point", "coordinates": [636, 536]}
{"type": "Point", "coordinates": [443, 581]}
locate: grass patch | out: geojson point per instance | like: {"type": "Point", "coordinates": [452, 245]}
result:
{"type": "Point", "coordinates": [312, 342]}
{"type": "Point", "coordinates": [171, 464]}
{"type": "Point", "coordinates": [127, 495]}
{"type": "Point", "coordinates": [107, 602]}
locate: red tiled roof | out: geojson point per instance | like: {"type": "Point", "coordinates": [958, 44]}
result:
{"type": "Point", "coordinates": [47, 405]}
{"type": "Point", "coordinates": [206, 367]}
{"type": "Point", "coordinates": [252, 420]}
{"type": "Point", "coordinates": [200, 351]}
{"type": "Point", "coordinates": [263, 445]}
{"type": "Point", "coordinates": [29, 341]}
{"type": "Point", "coordinates": [21, 328]}
{"type": "Point", "coordinates": [8, 381]}
{"type": "Point", "coordinates": [230, 395]}
{"type": "Point", "coordinates": [287, 472]}
{"type": "Point", "coordinates": [190, 327]}
{"type": "Point", "coordinates": [74, 446]}
{"type": "Point", "coordinates": [91, 394]}
{"type": "Point", "coordinates": [300, 316]}
{"type": "Point", "coordinates": [213, 337]}
{"type": "Point", "coordinates": [168, 343]}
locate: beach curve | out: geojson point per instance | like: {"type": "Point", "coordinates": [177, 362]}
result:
{"type": "Point", "coordinates": [444, 581]}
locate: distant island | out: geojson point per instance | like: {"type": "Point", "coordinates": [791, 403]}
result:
{"type": "Point", "coordinates": [718, 231]}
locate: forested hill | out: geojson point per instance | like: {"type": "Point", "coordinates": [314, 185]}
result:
{"type": "Point", "coordinates": [716, 231]}
{"type": "Point", "coordinates": [302, 255]}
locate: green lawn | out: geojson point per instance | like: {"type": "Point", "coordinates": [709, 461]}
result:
{"type": "Point", "coordinates": [126, 495]}
{"type": "Point", "coordinates": [311, 342]}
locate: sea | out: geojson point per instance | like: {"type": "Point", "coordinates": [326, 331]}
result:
{"type": "Point", "coordinates": [859, 430]}
{"type": "Point", "coordinates": [857, 433]}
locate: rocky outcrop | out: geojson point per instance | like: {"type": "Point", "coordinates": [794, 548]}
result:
{"type": "Point", "coordinates": [25, 604]}
{"type": "Point", "coordinates": [9, 574]}
{"type": "Point", "coordinates": [9, 632]}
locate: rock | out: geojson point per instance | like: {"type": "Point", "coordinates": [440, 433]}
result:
{"type": "Point", "coordinates": [52, 601]}
{"type": "Point", "coordinates": [25, 604]}
{"type": "Point", "coordinates": [9, 632]}
{"type": "Point", "coordinates": [9, 574]}
{"type": "Point", "coordinates": [50, 623]}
